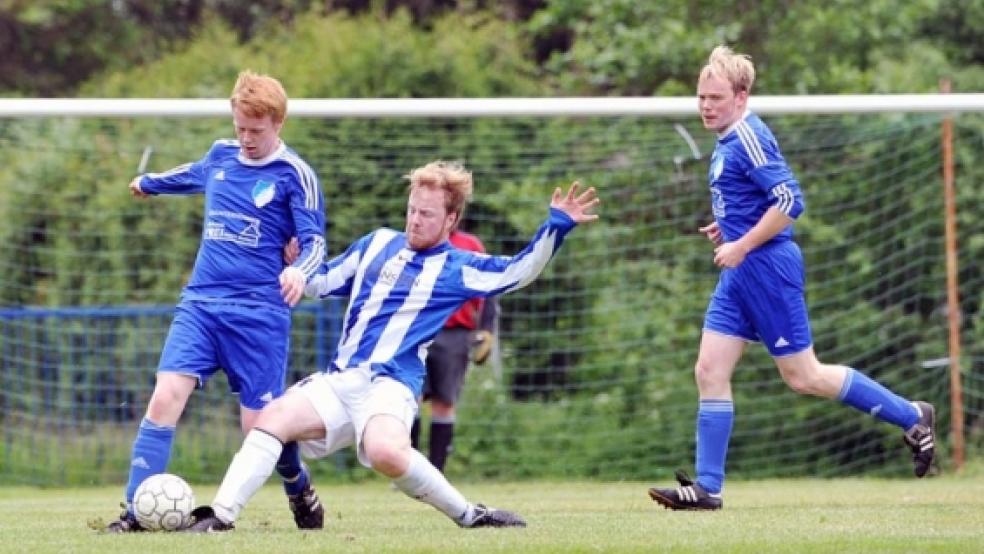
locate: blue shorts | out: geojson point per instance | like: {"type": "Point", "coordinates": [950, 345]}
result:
{"type": "Point", "coordinates": [763, 300]}
{"type": "Point", "coordinates": [249, 343]}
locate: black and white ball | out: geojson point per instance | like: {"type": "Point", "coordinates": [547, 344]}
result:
{"type": "Point", "coordinates": [163, 502]}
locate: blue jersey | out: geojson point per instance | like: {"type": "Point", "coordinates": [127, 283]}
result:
{"type": "Point", "coordinates": [252, 208]}
{"type": "Point", "coordinates": [761, 299]}
{"type": "Point", "coordinates": [748, 175]}
{"type": "Point", "coordinates": [400, 298]}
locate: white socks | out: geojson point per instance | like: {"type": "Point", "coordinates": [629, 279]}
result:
{"type": "Point", "coordinates": [255, 461]}
{"type": "Point", "coordinates": [250, 468]}
{"type": "Point", "coordinates": [425, 483]}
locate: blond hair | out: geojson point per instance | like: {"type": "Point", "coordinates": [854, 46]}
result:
{"type": "Point", "coordinates": [450, 177]}
{"type": "Point", "coordinates": [259, 95]}
{"type": "Point", "coordinates": [736, 68]}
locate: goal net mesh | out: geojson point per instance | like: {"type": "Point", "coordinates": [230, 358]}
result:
{"type": "Point", "coordinates": [592, 374]}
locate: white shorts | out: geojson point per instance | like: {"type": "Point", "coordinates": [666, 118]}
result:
{"type": "Point", "coordinates": [346, 401]}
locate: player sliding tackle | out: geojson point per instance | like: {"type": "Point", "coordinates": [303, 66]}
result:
{"type": "Point", "coordinates": [402, 287]}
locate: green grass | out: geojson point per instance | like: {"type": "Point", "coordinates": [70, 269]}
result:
{"type": "Point", "coordinates": [943, 514]}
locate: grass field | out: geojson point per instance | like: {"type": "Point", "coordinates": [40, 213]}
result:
{"type": "Point", "coordinates": [943, 514]}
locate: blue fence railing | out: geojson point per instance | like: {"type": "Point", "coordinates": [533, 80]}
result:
{"type": "Point", "coordinates": [91, 363]}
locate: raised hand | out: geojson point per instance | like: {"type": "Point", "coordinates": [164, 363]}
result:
{"type": "Point", "coordinates": [577, 206]}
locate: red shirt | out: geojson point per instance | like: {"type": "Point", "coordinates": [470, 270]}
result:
{"type": "Point", "coordinates": [467, 314]}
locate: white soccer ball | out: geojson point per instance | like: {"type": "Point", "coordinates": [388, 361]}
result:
{"type": "Point", "coordinates": [163, 502]}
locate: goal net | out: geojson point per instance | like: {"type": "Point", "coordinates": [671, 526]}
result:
{"type": "Point", "coordinates": [592, 376]}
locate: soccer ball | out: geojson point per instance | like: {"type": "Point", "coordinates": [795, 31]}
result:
{"type": "Point", "coordinates": [163, 502]}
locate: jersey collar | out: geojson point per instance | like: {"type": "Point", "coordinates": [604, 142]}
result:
{"type": "Point", "coordinates": [731, 127]}
{"type": "Point", "coordinates": [277, 153]}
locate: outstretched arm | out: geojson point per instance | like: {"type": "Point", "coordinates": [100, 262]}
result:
{"type": "Point", "coordinates": [491, 275]}
{"type": "Point", "coordinates": [188, 178]}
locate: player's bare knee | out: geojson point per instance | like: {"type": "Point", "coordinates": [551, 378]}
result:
{"type": "Point", "coordinates": [708, 378]}
{"type": "Point", "coordinates": [386, 457]}
{"type": "Point", "coordinates": [166, 404]}
{"type": "Point", "coordinates": [276, 419]}
{"type": "Point", "coordinates": [803, 374]}
{"type": "Point", "coordinates": [802, 382]}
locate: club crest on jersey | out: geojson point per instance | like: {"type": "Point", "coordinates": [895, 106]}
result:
{"type": "Point", "coordinates": [717, 166]}
{"type": "Point", "coordinates": [263, 193]}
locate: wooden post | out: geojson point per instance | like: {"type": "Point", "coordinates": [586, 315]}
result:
{"type": "Point", "coordinates": [952, 289]}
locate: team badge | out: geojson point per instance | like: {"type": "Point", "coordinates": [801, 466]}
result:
{"type": "Point", "coordinates": [263, 193]}
{"type": "Point", "coordinates": [717, 166]}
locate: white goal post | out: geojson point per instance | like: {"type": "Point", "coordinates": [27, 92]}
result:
{"type": "Point", "coordinates": [489, 107]}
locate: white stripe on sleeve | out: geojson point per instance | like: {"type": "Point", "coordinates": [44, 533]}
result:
{"type": "Point", "coordinates": [751, 143]}
{"type": "Point", "coordinates": [518, 273]}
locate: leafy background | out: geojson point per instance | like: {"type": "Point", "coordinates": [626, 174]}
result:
{"type": "Point", "coordinates": [605, 340]}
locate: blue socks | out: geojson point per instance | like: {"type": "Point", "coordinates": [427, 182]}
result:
{"type": "Point", "coordinates": [150, 454]}
{"type": "Point", "coordinates": [715, 418]}
{"type": "Point", "coordinates": [289, 467]}
{"type": "Point", "coordinates": [868, 396]}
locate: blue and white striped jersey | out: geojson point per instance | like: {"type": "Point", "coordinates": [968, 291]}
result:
{"type": "Point", "coordinates": [400, 298]}
{"type": "Point", "coordinates": [748, 175]}
{"type": "Point", "coordinates": [252, 208]}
